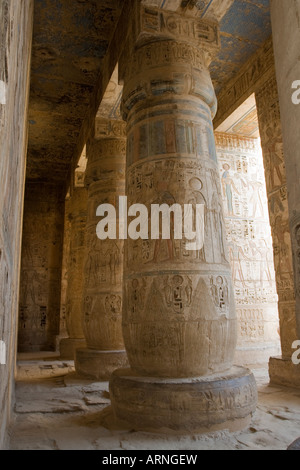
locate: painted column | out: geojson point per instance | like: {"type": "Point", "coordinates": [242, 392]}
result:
{"type": "Point", "coordinates": [77, 210]}
{"type": "Point", "coordinates": [103, 264]}
{"type": "Point", "coordinates": [179, 320]}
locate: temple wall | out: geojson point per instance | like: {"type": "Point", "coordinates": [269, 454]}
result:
{"type": "Point", "coordinates": [40, 286]}
{"type": "Point", "coordinates": [250, 247]}
{"type": "Point", "coordinates": [15, 47]}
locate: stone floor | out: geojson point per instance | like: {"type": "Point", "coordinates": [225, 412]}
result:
{"type": "Point", "coordinates": [57, 411]}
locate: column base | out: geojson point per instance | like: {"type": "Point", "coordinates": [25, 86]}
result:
{"type": "Point", "coordinates": [68, 346]}
{"type": "Point", "coordinates": [282, 371]}
{"type": "Point", "coordinates": [184, 406]}
{"type": "Point", "coordinates": [95, 364]}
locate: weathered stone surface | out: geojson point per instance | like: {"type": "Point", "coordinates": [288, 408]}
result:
{"type": "Point", "coordinates": [282, 371]}
{"type": "Point", "coordinates": [274, 426]}
{"type": "Point", "coordinates": [41, 267]}
{"type": "Point", "coordinates": [285, 25]}
{"type": "Point", "coordinates": [77, 213]}
{"type": "Point", "coordinates": [97, 364]}
{"type": "Point", "coordinates": [249, 240]}
{"type": "Point", "coordinates": [246, 81]}
{"type": "Point", "coordinates": [198, 404]}
{"type": "Point", "coordinates": [15, 48]}
{"type": "Point", "coordinates": [174, 329]}
{"type": "Point", "coordinates": [103, 261]}
{"type": "Point", "coordinates": [71, 64]}
{"type": "Point", "coordinates": [172, 159]}
{"type": "Point", "coordinates": [267, 101]}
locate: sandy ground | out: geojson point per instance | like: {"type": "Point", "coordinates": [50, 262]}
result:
{"type": "Point", "coordinates": [57, 411]}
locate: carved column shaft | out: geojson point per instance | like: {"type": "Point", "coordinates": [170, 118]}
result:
{"type": "Point", "coordinates": [103, 266]}
{"type": "Point", "coordinates": [267, 102]}
{"type": "Point", "coordinates": [175, 323]}
{"type": "Point", "coordinates": [77, 206]}
{"type": "Point", "coordinates": [286, 37]}
{"type": "Point", "coordinates": [172, 326]}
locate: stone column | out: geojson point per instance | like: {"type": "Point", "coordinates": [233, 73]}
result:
{"type": "Point", "coordinates": [103, 265]}
{"type": "Point", "coordinates": [179, 320]}
{"type": "Point", "coordinates": [267, 102]}
{"type": "Point", "coordinates": [77, 206]}
{"type": "Point", "coordinates": [286, 39]}
{"type": "Point", "coordinates": [64, 275]}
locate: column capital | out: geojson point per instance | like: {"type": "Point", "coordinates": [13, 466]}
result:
{"type": "Point", "coordinates": [109, 129]}
{"type": "Point", "coordinates": [151, 23]}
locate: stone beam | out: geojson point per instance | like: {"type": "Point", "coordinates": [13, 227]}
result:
{"type": "Point", "coordinates": [252, 75]}
{"type": "Point", "coordinates": [109, 64]}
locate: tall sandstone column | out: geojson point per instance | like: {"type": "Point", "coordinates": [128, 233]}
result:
{"type": "Point", "coordinates": [179, 320]}
{"type": "Point", "coordinates": [77, 210]}
{"type": "Point", "coordinates": [103, 265]}
{"type": "Point", "coordinates": [267, 102]}
{"type": "Point", "coordinates": [286, 38]}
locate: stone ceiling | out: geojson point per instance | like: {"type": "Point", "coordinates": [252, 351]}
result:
{"type": "Point", "coordinates": [71, 40]}
{"type": "Point", "coordinates": [243, 121]}
{"type": "Point", "coordinates": [76, 45]}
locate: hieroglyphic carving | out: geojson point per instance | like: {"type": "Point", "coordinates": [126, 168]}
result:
{"type": "Point", "coordinates": [248, 236]}
{"type": "Point", "coordinates": [220, 294]}
{"type": "Point", "coordinates": [267, 101]}
{"type": "Point", "coordinates": [105, 128]}
{"type": "Point", "coordinates": [252, 324]}
{"type": "Point", "coordinates": [178, 293]}
{"type": "Point", "coordinates": [170, 24]}
{"type": "Point", "coordinates": [184, 330]}
{"type": "Point", "coordinates": [198, 185]}
{"type": "Point", "coordinates": [103, 263]}
{"type": "Point", "coordinates": [41, 267]}
{"type": "Point", "coordinates": [103, 260]}
{"type": "Point", "coordinates": [77, 213]}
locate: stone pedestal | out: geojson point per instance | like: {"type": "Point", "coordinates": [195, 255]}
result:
{"type": "Point", "coordinates": [77, 206]}
{"type": "Point", "coordinates": [282, 371]}
{"type": "Point", "coordinates": [191, 405]}
{"type": "Point", "coordinates": [179, 320]}
{"type": "Point", "coordinates": [103, 265]}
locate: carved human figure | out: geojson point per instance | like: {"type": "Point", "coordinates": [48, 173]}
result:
{"type": "Point", "coordinates": [256, 197]}
{"type": "Point", "coordinates": [283, 266]}
{"type": "Point", "coordinates": [237, 256]}
{"type": "Point", "coordinates": [274, 137]}
{"type": "Point", "coordinates": [102, 319]}
{"type": "Point", "coordinates": [228, 186]}
{"type": "Point", "coordinates": [179, 336]}
{"type": "Point", "coordinates": [195, 196]}
{"type": "Point", "coordinates": [165, 197]}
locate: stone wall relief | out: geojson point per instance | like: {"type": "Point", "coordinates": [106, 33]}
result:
{"type": "Point", "coordinates": [273, 155]}
{"type": "Point", "coordinates": [41, 268]}
{"type": "Point", "coordinates": [248, 233]}
{"type": "Point", "coordinates": [103, 262]}
{"type": "Point", "coordinates": [155, 182]}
